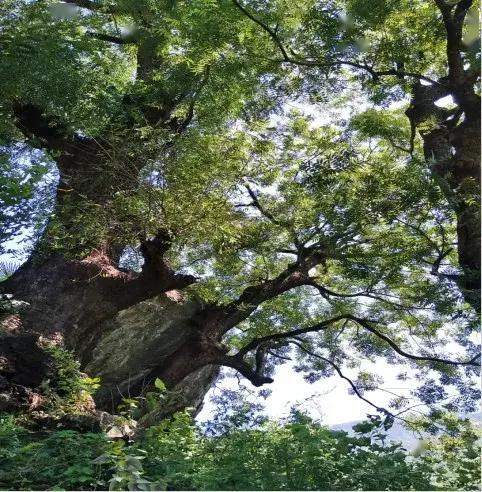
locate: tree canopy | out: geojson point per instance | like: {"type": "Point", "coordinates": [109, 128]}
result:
{"type": "Point", "coordinates": [305, 173]}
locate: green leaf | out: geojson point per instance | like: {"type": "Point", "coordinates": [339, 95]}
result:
{"type": "Point", "coordinates": [159, 385]}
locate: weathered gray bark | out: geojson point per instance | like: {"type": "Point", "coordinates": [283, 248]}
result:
{"type": "Point", "coordinates": [122, 350]}
{"type": "Point", "coordinates": [135, 342]}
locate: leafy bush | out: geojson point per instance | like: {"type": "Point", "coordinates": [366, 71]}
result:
{"type": "Point", "coordinates": [453, 458]}
{"type": "Point", "coordinates": [294, 456]}
{"type": "Point", "coordinates": [53, 460]}
{"type": "Point", "coordinates": [70, 390]}
{"type": "Point", "coordinates": [175, 455]}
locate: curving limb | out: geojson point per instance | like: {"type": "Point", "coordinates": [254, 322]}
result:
{"type": "Point", "coordinates": [294, 59]}
{"type": "Point", "coordinates": [261, 348]}
{"type": "Point", "coordinates": [266, 342]}
{"type": "Point", "coordinates": [266, 213]}
{"type": "Point", "coordinates": [368, 325]}
{"type": "Point", "coordinates": [253, 375]}
{"type": "Point", "coordinates": [295, 275]}
{"type": "Point", "coordinates": [256, 342]}
{"type": "Point", "coordinates": [342, 376]}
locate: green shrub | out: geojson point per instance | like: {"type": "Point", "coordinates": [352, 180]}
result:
{"type": "Point", "coordinates": [54, 460]}
{"type": "Point", "coordinates": [70, 390]}
{"type": "Point", "coordinates": [175, 455]}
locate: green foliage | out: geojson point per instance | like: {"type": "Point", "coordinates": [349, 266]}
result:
{"type": "Point", "coordinates": [453, 457]}
{"type": "Point", "coordinates": [128, 473]}
{"type": "Point", "coordinates": [391, 126]}
{"type": "Point", "coordinates": [246, 188]}
{"type": "Point", "coordinates": [454, 461]}
{"type": "Point", "coordinates": [9, 437]}
{"type": "Point", "coordinates": [172, 449]}
{"type": "Point", "coordinates": [70, 390]}
{"type": "Point", "coordinates": [50, 60]}
{"type": "Point", "coordinates": [150, 401]}
{"type": "Point", "coordinates": [298, 455]}
{"type": "Point", "coordinates": [303, 456]}
{"type": "Point", "coordinates": [78, 227]}
{"type": "Point", "coordinates": [50, 460]}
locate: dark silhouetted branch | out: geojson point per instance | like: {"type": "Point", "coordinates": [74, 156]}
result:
{"type": "Point", "coordinates": [271, 32]}
{"type": "Point", "coordinates": [295, 275]}
{"type": "Point", "coordinates": [266, 213]}
{"type": "Point", "coordinates": [367, 324]}
{"type": "Point", "coordinates": [342, 376]}
{"type": "Point", "coordinates": [289, 334]}
{"type": "Point", "coordinates": [253, 375]}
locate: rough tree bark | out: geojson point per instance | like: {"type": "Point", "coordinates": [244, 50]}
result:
{"type": "Point", "coordinates": [128, 328]}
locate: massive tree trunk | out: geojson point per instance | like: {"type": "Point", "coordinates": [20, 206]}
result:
{"type": "Point", "coordinates": [452, 151]}
{"type": "Point", "coordinates": [125, 328]}
{"type": "Point", "coordinates": [129, 328]}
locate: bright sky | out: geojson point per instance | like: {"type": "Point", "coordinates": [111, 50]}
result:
{"type": "Point", "coordinates": [327, 400]}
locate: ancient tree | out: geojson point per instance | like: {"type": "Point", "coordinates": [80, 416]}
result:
{"type": "Point", "coordinates": [198, 222]}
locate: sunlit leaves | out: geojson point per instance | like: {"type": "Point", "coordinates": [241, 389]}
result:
{"type": "Point", "coordinates": [203, 129]}
{"type": "Point", "coordinates": [68, 73]}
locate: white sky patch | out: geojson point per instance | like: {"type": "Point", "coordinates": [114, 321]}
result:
{"type": "Point", "coordinates": [322, 114]}
{"type": "Point", "coordinates": [19, 251]}
{"type": "Point", "coordinates": [327, 400]}
{"type": "Point", "coordinates": [445, 102]}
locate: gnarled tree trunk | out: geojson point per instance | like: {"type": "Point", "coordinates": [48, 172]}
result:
{"type": "Point", "coordinates": [124, 329]}
{"type": "Point", "coordinates": [130, 328]}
